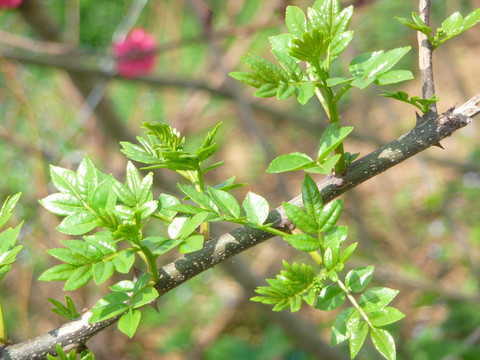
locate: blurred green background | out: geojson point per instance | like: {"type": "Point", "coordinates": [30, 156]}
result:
{"type": "Point", "coordinates": [417, 223]}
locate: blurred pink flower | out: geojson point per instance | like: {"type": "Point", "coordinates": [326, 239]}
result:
{"type": "Point", "coordinates": [136, 54]}
{"type": "Point", "coordinates": [10, 4]}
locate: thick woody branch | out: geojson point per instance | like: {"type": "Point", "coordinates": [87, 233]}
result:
{"type": "Point", "coordinates": [426, 134]}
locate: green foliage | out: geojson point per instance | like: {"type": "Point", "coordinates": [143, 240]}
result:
{"type": "Point", "coordinates": [422, 104]}
{"type": "Point", "coordinates": [452, 26]}
{"type": "Point", "coordinates": [8, 238]}
{"type": "Point", "coordinates": [68, 312]}
{"type": "Point", "coordinates": [72, 355]}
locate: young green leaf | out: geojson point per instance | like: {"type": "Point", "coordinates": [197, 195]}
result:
{"type": "Point", "coordinates": [58, 273]}
{"type": "Point", "coordinates": [68, 312]}
{"type": "Point", "coordinates": [384, 343]}
{"type": "Point", "coordinates": [290, 65]}
{"type": "Point", "coordinates": [329, 215]}
{"type": "Point", "coordinates": [359, 278]}
{"type": "Point", "coordinates": [256, 208]}
{"type": "Point", "coordinates": [331, 138]}
{"type": "Point", "coordinates": [290, 162]}
{"type": "Point", "coordinates": [385, 316]}
{"type": "Point", "coordinates": [78, 223]}
{"type": "Point", "coordinates": [201, 199]}
{"type": "Point", "coordinates": [331, 297]}
{"type": "Point", "coordinates": [348, 252]}
{"type": "Point", "coordinates": [305, 91]}
{"type": "Point", "coordinates": [225, 201]}
{"type": "Point", "coordinates": [311, 197]}
{"type": "Point", "coordinates": [342, 325]}
{"type": "Point", "coordinates": [375, 299]}
{"type": "Point", "coordinates": [299, 218]}
{"type": "Point", "coordinates": [102, 271]}
{"type": "Point", "coordinates": [124, 261]}
{"type": "Point", "coordinates": [129, 321]}
{"type": "Point", "coordinates": [79, 278]}
{"type": "Point", "coordinates": [144, 296]}
{"type": "Point", "coordinates": [303, 242]}
{"type": "Point", "coordinates": [357, 338]}
{"type": "Point", "coordinates": [296, 21]}
{"type": "Point", "coordinates": [7, 208]}
{"type": "Point", "coordinates": [191, 244]}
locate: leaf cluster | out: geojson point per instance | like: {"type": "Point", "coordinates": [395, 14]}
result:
{"type": "Point", "coordinates": [8, 237]}
{"type": "Point", "coordinates": [72, 355]}
{"type": "Point", "coordinates": [422, 104]}
{"type": "Point", "coordinates": [452, 26]}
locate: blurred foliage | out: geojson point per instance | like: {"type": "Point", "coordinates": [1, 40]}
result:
{"type": "Point", "coordinates": [422, 215]}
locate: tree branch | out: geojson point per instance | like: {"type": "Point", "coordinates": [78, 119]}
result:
{"type": "Point", "coordinates": [426, 134]}
{"type": "Point", "coordinates": [425, 51]}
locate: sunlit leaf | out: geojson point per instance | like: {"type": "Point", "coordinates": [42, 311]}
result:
{"type": "Point", "coordinates": [384, 343]}
{"type": "Point", "coordinates": [129, 321]}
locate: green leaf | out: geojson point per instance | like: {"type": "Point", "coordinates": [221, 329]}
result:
{"type": "Point", "coordinates": [256, 208]}
{"type": "Point", "coordinates": [187, 226]}
{"type": "Point", "coordinates": [58, 273]}
{"type": "Point", "coordinates": [83, 248]}
{"type": "Point", "coordinates": [359, 278]}
{"type": "Point", "coordinates": [248, 78]}
{"type": "Point", "coordinates": [385, 316]}
{"type": "Point", "coordinates": [102, 271]}
{"type": "Point", "coordinates": [62, 204]}
{"type": "Point", "coordinates": [285, 90]}
{"type": "Point", "coordinates": [144, 296]}
{"type": "Point", "coordinates": [107, 311]}
{"type": "Point", "coordinates": [326, 166]}
{"type": "Point", "coordinates": [348, 253]}
{"type": "Point", "coordinates": [281, 43]}
{"type": "Point", "coordinates": [124, 261]}
{"type": "Point", "coordinates": [301, 219]}
{"type": "Point", "coordinates": [343, 324]}
{"type": "Point", "coordinates": [225, 201]}
{"type": "Point", "coordinates": [64, 180]}
{"type": "Point", "coordinates": [453, 24]}
{"type": "Point", "coordinates": [331, 297]}
{"type": "Point", "coordinates": [369, 66]}
{"type": "Point", "coordinates": [102, 241]}
{"type": "Point", "coordinates": [290, 65]}
{"type": "Point", "coordinates": [200, 198]}
{"type": "Point", "coordinates": [305, 91]}
{"type": "Point", "coordinates": [129, 321]}
{"type": "Point", "coordinates": [384, 343]}
{"type": "Point", "coordinates": [78, 223]}
{"type": "Point", "coordinates": [166, 246]}
{"type": "Point", "coordinates": [311, 197]}
{"type": "Point", "coordinates": [357, 338]}
{"type": "Point", "coordinates": [331, 138]}
{"type": "Point", "coordinates": [267, 90]}
{"type": "Point", "coordinates": [69, 256]}
{"type": "Point", "coordinates": [7, 208]}
{"type": "Point", "coordinates": [329, 215]}
{"type": "Point", "coordinates": [165, 202]}
{"type": "Point", "coordinates": [87, 179]}
{"type": "Point", "coordinates": [471, 19]}
{"type": "Point", "coordinates": [191, 244]}
{"type": "Point", "coordinates": [296, 21]}
{"type": "Point", "coordinates": [303, 242]}
{"type": "Point", "coordinates": [79, 277]}
{"type": "Point", "coordinates": [68, 312]}
{"type": "Point", "coordinates": [290, 162]}
{"type": "Point", "coordinates": [375, 299]}
{"type": "Point", "coordinates": [394, 76]}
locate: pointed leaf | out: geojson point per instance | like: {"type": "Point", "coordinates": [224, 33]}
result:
{"type": "Point", "coordinates": [7, 208]}
{"type": "Point", "coordinates": [256, 208]}
{"type": "Point", "coordinates": [358, 279]}
{"type": "Point", "coordinates": [78, 223]}
{"type": "Point", "coordinates": [331, 138]}
{"type": "Point", "coordinates": [384, 343]}
{"type": "Point", "coordinates": [305, 91]}
{"type": "Point", "coordinates": [58, 273]}
{"type": "Point", "coordinates": [102, 271]}
{"type": "Point", "coordinates": [129, 321]}
{"type": "Point", "coordinates": [124, 261]}
{"type": "Point", "coordinates": [303, 242]}
{"type": "Point", "coordinates": [357, 338]}
{"type": "Point", "coordinates": [375, 299]}
{"type": "Point", "coordinates": [311, 197]}
{"type": "Point", "coordinates": [331, 297]}
{"type": "Point", "coordinates": [290, 162]}
{"type": "Point", "coordinates": [225, 201]}
{"type": "Point", "coordinates": [289, 64]}
{"type": "Point", "coordinates": [387, 315]}
{"type": "Point", "coordinates": [79, 277]}
{"type": "Point", "coordinates": [340, 328]}
{"type": "Point", "coordinates": [393, 77]}
{"type": "Point", "coordinates": [330, 214]}
{"type": "Point", "coordinates": [296, 21]}
{"type": "Point", "coordinates": [191, 244]}
{"type": "Point", "coordinates": [301, 219]}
